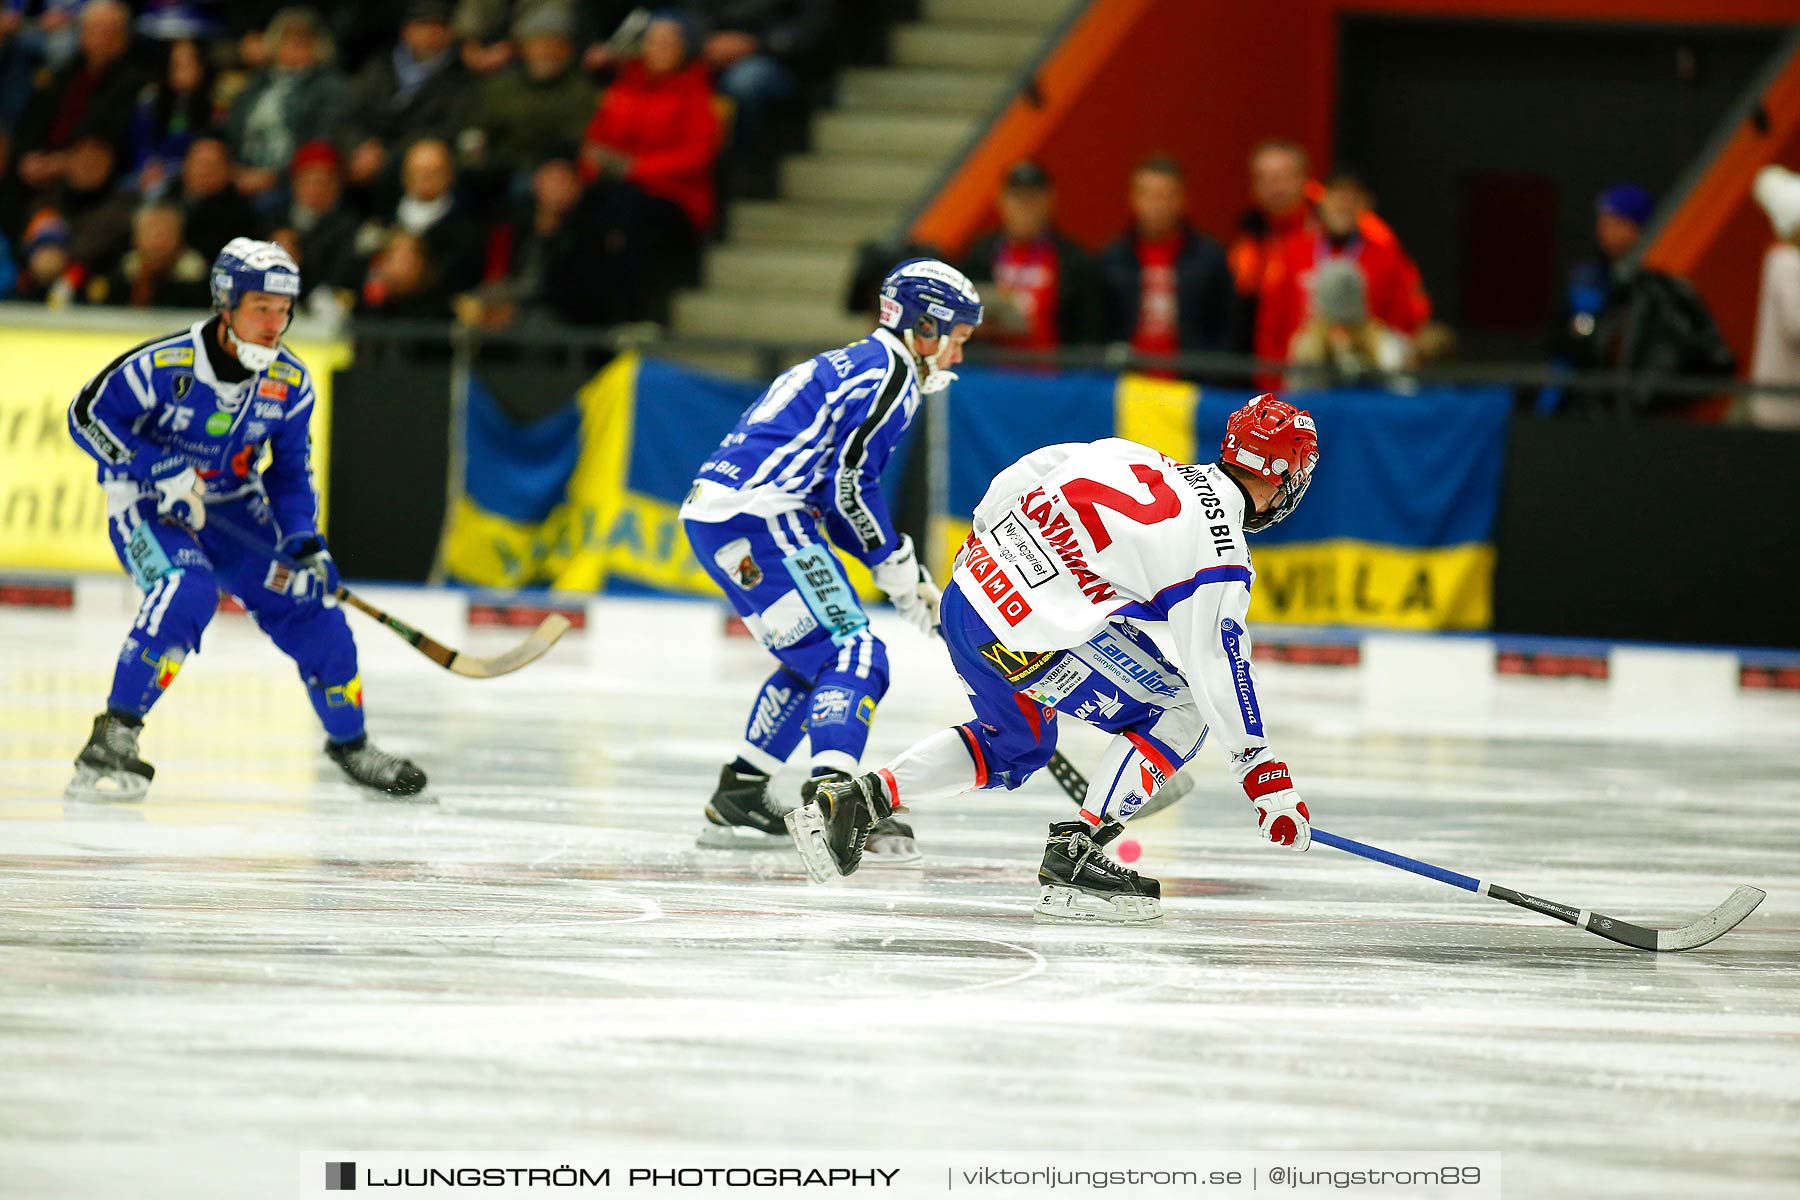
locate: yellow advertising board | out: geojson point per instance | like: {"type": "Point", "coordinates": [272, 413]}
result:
{"type": "Point", "coordinates": [52, 512]}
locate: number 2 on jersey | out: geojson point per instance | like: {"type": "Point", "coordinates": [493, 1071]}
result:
{"type": "Point", "coordinates": [1087, 497]}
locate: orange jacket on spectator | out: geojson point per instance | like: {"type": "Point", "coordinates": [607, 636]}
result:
{"type": "Point", "coordinates": [668, 128]}
{"type": "Point", "coordinates": [1396, 293]}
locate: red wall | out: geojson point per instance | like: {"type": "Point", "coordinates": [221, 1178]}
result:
{"type": "Point", "coordinates": [1212, 78]}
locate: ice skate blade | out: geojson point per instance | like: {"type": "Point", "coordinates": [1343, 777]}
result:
{"type": "Point", "coordinates": [1068, 904]}
{"type": "Point", "coordinates": [891, 852]}
{"type": "Point", "coordinates": [738, 837]}
{"type": "Point", "coordinates": [93, 786]}
{"type": "Point", "coordinates": [806, 825]}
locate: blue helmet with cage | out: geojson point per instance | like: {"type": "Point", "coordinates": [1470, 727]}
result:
{"type": "Point", "coordinates": [923, 297]}
{"type": "Point", "coordinates": [246, 265]}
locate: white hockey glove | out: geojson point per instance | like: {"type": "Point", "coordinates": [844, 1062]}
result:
{"type": "Point", "coordinates": [180, 495]}
{"type": "Point", "coordinates": [909, 586]}
{"type": "Point", "coordinates": [1281, 815]}
{"type": "Point", "coordinates": [318, 576]}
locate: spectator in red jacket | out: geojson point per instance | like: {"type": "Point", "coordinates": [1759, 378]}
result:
{"type": "Point", "coordinates": [1344, 227]}
{"type": "Point", "coordinates": [1281, 208]}
{"type": "Point", "coordinates": [656, 128]}
{"type": "Point", "coordinates": [1164, 284]}
{"type": "Point", "coordinates": [647, 159]}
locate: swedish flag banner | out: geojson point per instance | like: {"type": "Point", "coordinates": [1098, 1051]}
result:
{"type": "Point", "coordinates": [1396, 531]}
{"type": "Point", "coordinates": [587, 498]}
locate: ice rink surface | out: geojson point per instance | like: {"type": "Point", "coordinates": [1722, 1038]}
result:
{"type": "Point", "coordinates": [259, 960]}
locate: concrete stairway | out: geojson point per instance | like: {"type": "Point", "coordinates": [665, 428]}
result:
{"type": "Point", "coordinates": [890, 133]}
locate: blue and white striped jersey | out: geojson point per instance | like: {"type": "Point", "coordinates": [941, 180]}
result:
{"type": "Point", "coordinates": [166, 398]}
{"type": "Point", "coordinates": [818, 440]}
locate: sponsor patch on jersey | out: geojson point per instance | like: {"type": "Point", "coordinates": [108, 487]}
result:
{"type": "Point", "coordinates": [269, 412]}
{"type": "Point", "coordinates": [995, 585]}
{"type": "Point", "coordinates": [1122, 662]}
{"type": "Point", "coordinates": [783, 623]}
{"type": "Point", "coordinates": [830, 706]}
{"type": "Point", "coordinates": [1021, 550]}
{"type": "Point", "coordinates": [1056, 684]}
{"type": "Point", "coordinates": [736, 561]}
{"type": "Point", "coordinates": [824, 590]}
{"type": "Point", "coordinates": [167, 668]}
{"type": "Point", "coordinates": [218, 423]}
{"type": "Point", "coordinates": [284, 373]}
{"type": "Point", "coordinates": [174, 356]}
{"type": "Point", "coordinates": [865, 710]}
{"type": "Point", "coordinates": [1017, 667]}
{"type": "Point", "coordinates": [1103, 706]}
{"type": "Point", "coordinates": [182, 384]}
{"type": "Point", "coordinates": [274, 389]}
{"type": "Point", "coordinates": [1231, 635]}
{"type": "Point", "coordinates": [771, 708]}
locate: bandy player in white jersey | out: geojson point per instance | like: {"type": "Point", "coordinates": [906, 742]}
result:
{"type": "Point", "coordinates": [1074, 545]}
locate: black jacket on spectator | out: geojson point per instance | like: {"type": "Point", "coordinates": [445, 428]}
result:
{"type": "Point", "coordinates": [328, 256]}
{"type": "Point", "coordinates": [793, 31]}
{"type": "Point", "coordinates": [1078, 299]}
{"type": "Point", "coordinates": [45, 125]}
{"type": "Point", "coordinates": [1651, 322]}
{"type": "Point", "coordinates": [457, 243]}
{"type": "Point", "coordinates": [441, 107]}
{"type": "Point", "coordinates": [1204, 293]}
{"type": "Point", "coordinates": [216, 219]}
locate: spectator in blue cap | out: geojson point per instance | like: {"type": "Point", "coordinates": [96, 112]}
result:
{"type": "Point", "coordinates": [1619, 315]}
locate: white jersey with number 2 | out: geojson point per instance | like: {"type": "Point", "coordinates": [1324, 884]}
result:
{"type": "Point", "coordinates": [1078, 534]}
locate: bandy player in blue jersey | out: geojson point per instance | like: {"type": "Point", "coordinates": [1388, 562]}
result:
{"type": "Point", "coordinates": [801, 473]}
{"type": "Point", "coordinates": [179, 426]}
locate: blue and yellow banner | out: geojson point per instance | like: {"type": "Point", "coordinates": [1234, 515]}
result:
{"type": "Point", "coordinates": [587, 498]}
{"type": "Point", "coordinates": [1396, 531]}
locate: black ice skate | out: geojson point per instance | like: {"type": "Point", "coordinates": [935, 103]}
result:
{"type": "Point", "coordinates": [832, 829]}
{"type": "Point", "coordinates": [108, 767]}
{"type": "Point", "coordinates": [891, 842]}
{"type": "Point", "coordinates": [738, 816]}
{"type": "Point", "coordinates": [373, 767]}
{"type": "Point", "coordinates": [1082, 884]}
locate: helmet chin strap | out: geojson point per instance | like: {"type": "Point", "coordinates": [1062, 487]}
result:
{"type": "Point", "coordinates": [940, 376]}
{"type": "Point", "coordinates": [254, 356]}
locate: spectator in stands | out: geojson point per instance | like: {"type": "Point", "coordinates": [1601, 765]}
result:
{"type": "Point", "coordinates": [538, 240]}
{"type": "Point", "coordinates": [318, 228]}
{"type": "Point", "coordinates": [1340, 341]}
{"type": "Point", "coordinates": [160, 271]}
{"type": "Point", "coordinates": [758, 51]}
{"type": "Point", "coordinates": [484, 27]}
{"type": "Point", "coordinates": [1622, 316]}
{"type": "Point", "coordinates": [420, 90]}
{"type": "Point", "coordinates": [1396, 296]}
{"type": "Point", "coordinates": [405, 282]}
{"type": "Point", "coordinates": [1038, 285]}
{"type": "Point", "coordinates": [430, 209]}
{"type": "Point", "coordinates": [1776, 358]}
{"type": "Point", "coordinates": [647, 156]}
{"type": "Point", "coordinates": [44, 249]}
{"type": "Point", "coordinates": [540, 100]}
{"type": "Point", "coordinates": [1279, 174]}
{"type": "Point", "coordinates": [170, 113]}
{"type": "Point", "coordinates": [214, 210]}
{"type": "Point", "coordinates": [1166, 286]}
{"type": "Point", "coordinates": [93, 93]}
{"type": "Point", "coordinates": [297, 97]}
{"type": "Point", "coordinates": [99, 214]}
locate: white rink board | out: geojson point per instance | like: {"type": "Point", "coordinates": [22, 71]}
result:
{"type": "Point", "coordinates": [258, 961]}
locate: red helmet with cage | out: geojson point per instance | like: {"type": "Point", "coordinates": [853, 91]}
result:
{"type": "Point", "coordinates": [1277, 442]}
